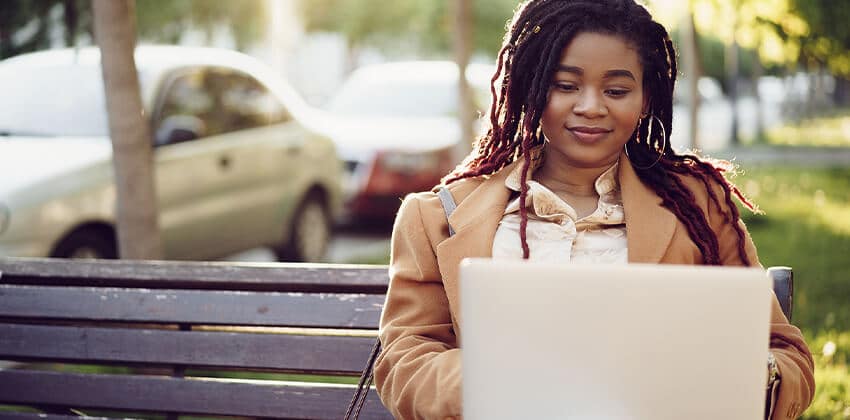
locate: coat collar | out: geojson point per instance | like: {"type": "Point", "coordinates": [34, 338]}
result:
{"type": "Point", "coordinates": [649, 226]}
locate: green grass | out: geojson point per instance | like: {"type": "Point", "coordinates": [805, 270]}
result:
{"type": "Point", "coordinates": [807, 227]}
{"type": "Point", "coordinates": [830, 130]}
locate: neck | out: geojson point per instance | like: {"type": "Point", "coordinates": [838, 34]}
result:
{"type": "Point", "coordinates": [558, 175]}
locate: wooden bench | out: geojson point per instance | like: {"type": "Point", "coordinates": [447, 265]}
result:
{"type": "Point", "coordinates": [173, 331]}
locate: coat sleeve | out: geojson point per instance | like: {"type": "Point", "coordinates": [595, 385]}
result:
{"type": "Point", "coordinates": [796, 367]}
{"type": "Point", "coordinates": [418, 375]}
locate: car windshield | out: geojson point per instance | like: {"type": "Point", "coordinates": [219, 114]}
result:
{"type": "Point", "coordinates": [397, 98]}
{"type": "Point", "coordinates": [379, 95]}
{"type": "Point", "coordinates": [56, 100]}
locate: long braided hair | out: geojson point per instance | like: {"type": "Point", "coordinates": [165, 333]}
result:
{"type": "Point", "coordinates": [531, 50]}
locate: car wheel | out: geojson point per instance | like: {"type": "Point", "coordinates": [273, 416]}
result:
{"type": "Point", "coordinates": [86, 244]}
{"type": "Point", "coordinates": [309, 233]}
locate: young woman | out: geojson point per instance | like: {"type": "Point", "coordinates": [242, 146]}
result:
{"type": "Point", "coordinates": [577, 166]}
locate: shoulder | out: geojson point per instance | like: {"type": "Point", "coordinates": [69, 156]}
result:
{"type": "Point", "coordinates": [426, 207]}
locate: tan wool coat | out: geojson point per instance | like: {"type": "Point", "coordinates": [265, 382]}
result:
{"type": "Point", "coordinates": [418, 375]}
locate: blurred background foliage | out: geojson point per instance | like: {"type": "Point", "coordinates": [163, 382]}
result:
{"type": "Point", "coordinates": [785, 35]}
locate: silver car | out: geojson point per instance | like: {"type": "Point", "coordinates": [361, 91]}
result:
{"type": "Point", "coordinates": [234, 166]}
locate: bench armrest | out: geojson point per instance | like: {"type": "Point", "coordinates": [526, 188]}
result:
{"type": "Point", "coordinates": [783, 286]}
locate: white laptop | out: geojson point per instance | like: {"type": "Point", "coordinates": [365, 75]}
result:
{"type": "Point", "coordinates": [544, 341]}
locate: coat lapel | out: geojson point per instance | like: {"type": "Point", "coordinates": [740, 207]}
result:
{"type": "Point", "coordinates": [649, 226]}
{"type": "Point", "coordinates": [475, 221]}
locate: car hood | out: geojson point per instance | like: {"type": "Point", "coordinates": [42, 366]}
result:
{"type": "Point", "coordinates": [26, 161]}
{"type": "Point", "coordinates": [358, 138]}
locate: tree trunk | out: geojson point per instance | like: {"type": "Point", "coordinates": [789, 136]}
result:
{"type": "Point", "coordinates": [732, 70]}
{"type": "Point", "coordinates": [693, 71]}
{"type": "Point", "coordinates": [732, 73]}
{"type": "Point", "coordinates": [132, 154]}
{"type": "Point", "coordinates": [757, 73]}
{"type": "Point", "coordinates": [462, 11]}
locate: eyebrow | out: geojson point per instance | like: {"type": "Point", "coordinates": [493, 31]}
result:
{"type": "Point", "coordinates": [610, 74]}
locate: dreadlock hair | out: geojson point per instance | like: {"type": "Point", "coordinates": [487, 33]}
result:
{"type": "Point", "coordinates": [532, 48]}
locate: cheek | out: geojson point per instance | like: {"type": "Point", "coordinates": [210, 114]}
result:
{"type": "Point", "coordinates": [629, 115]}
{"type": "Point", "coordinates": [556, 106]}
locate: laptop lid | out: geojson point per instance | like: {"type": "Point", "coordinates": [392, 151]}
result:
{"type": "Point", "coordinates": [633, 341]}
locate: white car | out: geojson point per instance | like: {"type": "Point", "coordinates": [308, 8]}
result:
{"type": "Point", "coordinates": [234, 166]}
{"type": "Point", "coordinates": [396, 127]}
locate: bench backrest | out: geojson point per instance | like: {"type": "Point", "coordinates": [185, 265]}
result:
{"type": "Point", "coordinates": [164, 325]}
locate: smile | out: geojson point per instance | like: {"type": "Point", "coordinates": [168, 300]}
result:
{"type": "Point", "coordinates": [588, 134]}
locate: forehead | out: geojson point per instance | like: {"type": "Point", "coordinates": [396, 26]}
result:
{"type": "Point", "coordinates": [599, 53]}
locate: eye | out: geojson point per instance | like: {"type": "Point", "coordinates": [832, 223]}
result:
{"type": "Point", "coordinates": [565, 87]}
{"type": "Point", "coordinates": [617, 93]}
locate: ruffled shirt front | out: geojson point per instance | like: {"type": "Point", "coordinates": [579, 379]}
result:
{"type": "Point", "coordinates": [554, 231]}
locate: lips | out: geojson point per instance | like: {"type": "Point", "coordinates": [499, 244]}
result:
{"type": "Point", "coordinates": [589, 134]}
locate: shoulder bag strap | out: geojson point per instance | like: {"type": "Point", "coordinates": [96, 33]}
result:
{"type": "Point", "coordinates": [449, 205]}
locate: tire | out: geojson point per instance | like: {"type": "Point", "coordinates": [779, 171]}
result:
{"type": "Point", "coordinates": [87, 244]}
{"type": "Point", "coordinates": [309, 232]}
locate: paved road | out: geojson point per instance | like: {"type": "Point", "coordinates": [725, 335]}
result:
{"type": "Point", "coordinates": [804, 156]}
{"type": "Point", "coordinates": [349, 244]}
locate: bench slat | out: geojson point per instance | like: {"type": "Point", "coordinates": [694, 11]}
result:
{"type": "Point", "coordinates": [191, 396]}
{"type": "Point", "coordinates": [294, 353]}
{"type": "Point", "coordinates": [39, 416]}
{"type": "Point", "coordinates": [281, 277]}
{"type": "Point", "coordinates": [192, 306]}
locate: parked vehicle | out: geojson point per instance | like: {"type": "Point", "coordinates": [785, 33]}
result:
{"type": "Point", "coordinates": [396, 127]}
{"type": "Point", "coordinates": [235, 167]}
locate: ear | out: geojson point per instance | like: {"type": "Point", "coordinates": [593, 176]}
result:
{"type": "Point", "coordinates": [646, 102]}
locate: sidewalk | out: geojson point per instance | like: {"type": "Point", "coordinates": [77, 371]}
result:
{"type": "Point", "coordinates": [786, 155]}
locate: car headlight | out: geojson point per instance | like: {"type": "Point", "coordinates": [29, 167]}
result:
{"type": "Point", "coordinates": [5, 218]}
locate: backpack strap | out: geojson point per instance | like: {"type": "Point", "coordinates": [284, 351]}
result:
{"type": "Point", "coordinates": [449, 205]}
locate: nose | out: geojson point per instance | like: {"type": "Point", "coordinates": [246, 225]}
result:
{"type": "Point", "coordinates": [590, 104]}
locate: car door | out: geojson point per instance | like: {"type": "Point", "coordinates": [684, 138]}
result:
{"type": "Point", "coordinates": [266, 148]}
{"type": "Point", "coordinates": [209, 126]}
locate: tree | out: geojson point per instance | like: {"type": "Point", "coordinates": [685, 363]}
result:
{"type": "Point", "coordinates": [157, 21]}
{"type": "Point", "coordinates": [462, 12]}
{"type": "Point", "coordinates": [132, 154]}
{"type": "Point", "coordinates": [425, 24]}
{"type": "Point", "coordinates": [26, 25]}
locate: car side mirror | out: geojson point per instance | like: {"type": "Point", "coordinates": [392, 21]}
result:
{"type": "Point", "coordinates": [178, 129]}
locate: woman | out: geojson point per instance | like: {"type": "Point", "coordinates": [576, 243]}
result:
{"type": "Point", "coordinates": [577, 166]}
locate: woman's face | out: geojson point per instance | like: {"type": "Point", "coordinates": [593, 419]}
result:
{"type": "Point", "coordinates": [595, 101]}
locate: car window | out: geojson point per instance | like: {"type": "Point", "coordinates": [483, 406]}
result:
{"type": "Point", "coordinates": [401, 98]}
{"type": "Point", "coordinates": [215, 101]}
{"type": "Point", "coordinates": [405, 96]}
{"type": "Point", "coordinates": [246, 103]}
{"type": "Point", "coordinates": [190, 103]}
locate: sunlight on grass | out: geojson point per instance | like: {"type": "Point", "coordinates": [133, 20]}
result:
{"type": "Point", "coordinates": [806, 225]}
{"type": "Point", "coordinates": [821, 131]}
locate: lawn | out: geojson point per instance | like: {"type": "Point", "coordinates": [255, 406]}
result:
{"type": "Point", "coordinates": [828, 130]}
{"type": "Point", "coordinates": [806, 225]}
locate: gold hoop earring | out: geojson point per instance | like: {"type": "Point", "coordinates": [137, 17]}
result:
{"type": "Point", "coordinates": [649, 136]}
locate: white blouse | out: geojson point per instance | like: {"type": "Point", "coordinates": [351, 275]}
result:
{"type": "Point", "coordinates": [554, 231]}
